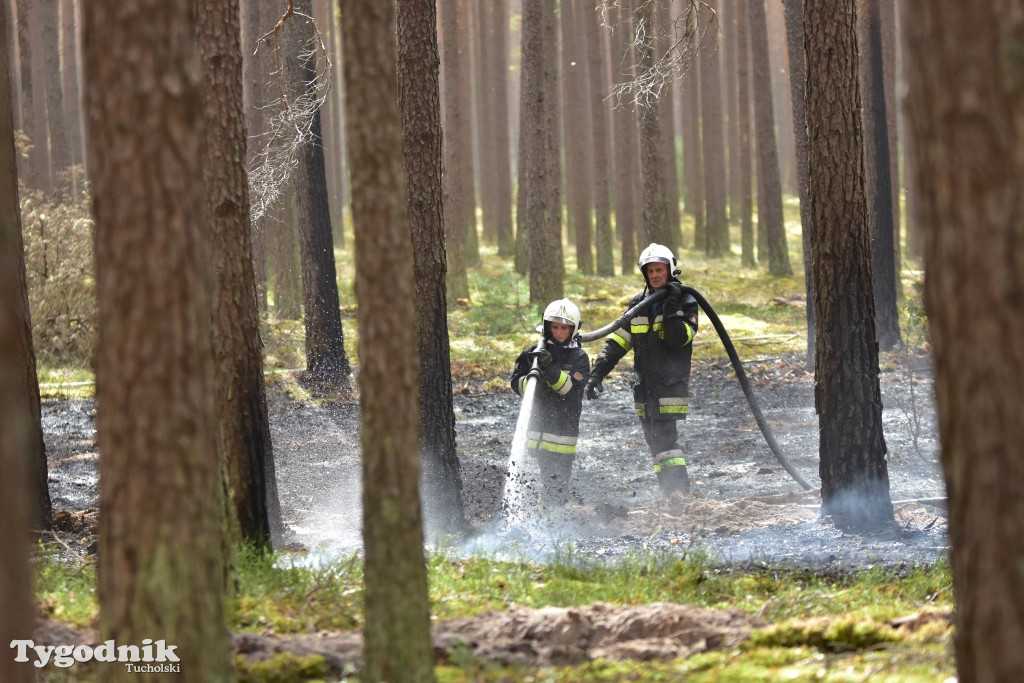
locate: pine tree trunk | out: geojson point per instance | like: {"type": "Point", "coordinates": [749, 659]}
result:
{"type": "Point", "coordinates": [418, 68]}
{"type": "Point", "coordinates": [161, 565]}
{"type": "Point", "coordinates": [396, 635]}
{"type": "Point", "coordinates": [964, 128]}
{"type": "Point", "coordinates": [854, 475]}
{"type": "Point", "coordinates": [713, 144]}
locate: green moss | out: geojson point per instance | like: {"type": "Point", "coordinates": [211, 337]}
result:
{"type": "Point", "coordinates": [282, 667]}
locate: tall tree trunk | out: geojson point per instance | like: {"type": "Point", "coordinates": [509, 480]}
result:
{"type": "Point", "coordinates": [496, 12]}
{"type": "Point", "coordinates": [419, 72]}
{"type": "Point", "coordinates": [666, 110]}
{"type": "Point", "coordinates": [965, 124]}
{"type": "Point", "coordinates": [625, 138]}
{"type": "Point", "coordinates": [652, 163]}
{"type": "Point", "coordinates": [396, 636]}
{"type": "Point", "coordinates": [797, 79]}
{"type": "Point", "coordinates": [732, 109]}
{"type": "Point", "coordinates": [19, 412]}
{"type": "Point", "coordinates": [326, 362]}
{"type": "Point", "coordinates": [540, 129]}
{"type": "Point", "coordinates": [23, 400]}
{"type": "Point", "coordinates": [713, 144]}
{"type": "Point", "coordinates": [60, 155]}
{"type": "Point", "coordinates": [847, 396]}
{"type": "Point", "coordinates": [30, 92]}
{"type": "Point", "coordinates": [253, 95]}
{"type": "Point", "coordinates": [878, 172]}
{"type": "Point", "coordinates": [769, 184]}
{"type": "Point", "coordinates": [456, 171]}
{"type": "Point", "coordinates": [243, 428]}
{"type": "Point", "coordinates": [693, 173]}
{"type": "Point", "coordinates": [576, 133]}
{"type": "Point", "coordinates": [601, 132]}
{"type": "Point", "coordinates": [746, 163]}
{"type": "Point", "coordinates": [893, 116]}
{"type": "Point", "coordinates": [161, 567]}
{"type": "Point", "coordinates": [69, 80]}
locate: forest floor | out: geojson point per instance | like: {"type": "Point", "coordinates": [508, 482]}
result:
{"type": "Point", "coordinates": [744, 507]}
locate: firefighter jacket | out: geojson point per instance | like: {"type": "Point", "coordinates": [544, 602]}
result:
{"type": "Point", "coordinates": [555, 422]}
{"type": "Point", "coordinates": [661, 344]}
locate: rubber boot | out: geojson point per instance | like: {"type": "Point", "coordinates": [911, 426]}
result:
{"type": "Point", "coordinates": [673, 479]}
{"type": "Point", "coordinates": [555, 471]}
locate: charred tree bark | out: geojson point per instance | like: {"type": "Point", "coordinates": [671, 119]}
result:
{"type": "Point", "coordinates": [243, 422]}
{"type": "Point", "coordinates": [847, 396]}
{"type": "Point", "coordinates": [419, 69]}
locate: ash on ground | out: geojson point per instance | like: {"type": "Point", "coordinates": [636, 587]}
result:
{"type": "Point", "coordinates": [744, 507]}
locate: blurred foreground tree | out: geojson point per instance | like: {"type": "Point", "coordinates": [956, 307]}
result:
{"type": "Point", "coordinates": [966, 129]}
{"type": "Point", "coordinates": [19, 424]}
{"type": "Point", "coordinates": [847, 396]}
{"type": "Point", "coordinates": [161, 563]}
{"type": "Point", "coordinates": [396, 635]}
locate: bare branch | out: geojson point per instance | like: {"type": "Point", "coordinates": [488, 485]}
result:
{"type": "Point", "coordinates": [290, 118]}
{"type": "Point", "coordinates": [685, 37]}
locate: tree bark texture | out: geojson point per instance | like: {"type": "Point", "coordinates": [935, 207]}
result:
{"type": "Point", "coordinates": [326, 361]}
{"type": "Point", "coordinates": [666, 37]}
{"type": "Point", "coordinates": [397, 644]}
{"type": "Point", "coordinates": [965, 120]}
{"type": "Point", "coordinates": [456, 127]}
{"type": "Point", "coordinates": [693, 175]}
{"type": "Point", "coordinates": [770, 228]}
{"type": "Point", "coordinates": [539, 163]}
{"type": "Point", "coordinates": [600, 124]}
{"type": "Point", "coordinates": [21, 445]}
{"type": "Point", "coordinates": [854, 475]}
{"type": "Point", "coordinates": [419, 75]}
{"type": "Point", "coordinates": [652, 161]}
{"type": "Point", "coordinates": [878, 172]}
{"type": "Point", "coordinates": [30, 91]}
{"type": "Point", "coordinates": [744, 144]}
{"type": "Point", "coordinates": [576, 134]}
{"type": "Point", "coordinates": [69, 80]}
{"type": "Point", "coordinates": [625, 139]}
{"type": "Point", "coordinates": [496, 13]}
{"type": "Point", "coordinates": [713, 139]}
{"type": "Point", "coordinates": [243, 423]}
{"type": "Point", "coordinates": [161, 566]}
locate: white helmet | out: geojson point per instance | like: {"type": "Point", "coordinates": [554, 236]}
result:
{"type": "Point", "coordinates": [565, 312]}
{"type": "Point", "coordinates": [657, 253]}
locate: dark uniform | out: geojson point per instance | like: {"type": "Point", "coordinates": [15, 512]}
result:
{"type": "Point", "coordinates": [555, 423]}
{"type": "Point", "coordinates": [660, 338]}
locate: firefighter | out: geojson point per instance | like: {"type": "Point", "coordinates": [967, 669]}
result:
{"type": "Point", "coordinates": [660, 338]}
{"type": "Point", "coordinates": [562, 371]}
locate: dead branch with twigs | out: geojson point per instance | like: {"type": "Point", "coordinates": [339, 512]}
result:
{"type": "Point", "coordinates": [290, 114]}
{"type": "Point", "coordinates": [685, 37]}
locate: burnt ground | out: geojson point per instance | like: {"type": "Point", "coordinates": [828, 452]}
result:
{"type": "Point", "coordinates": [744, 507]}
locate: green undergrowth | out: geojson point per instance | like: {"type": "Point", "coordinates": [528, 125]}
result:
{"type": "Point", "coordinates": [837, 626]}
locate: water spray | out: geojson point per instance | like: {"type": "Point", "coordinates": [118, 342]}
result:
{"type": "Point", "coordinates": [737, 365]}
{"type": "Point", "coordinates": [512, 499]}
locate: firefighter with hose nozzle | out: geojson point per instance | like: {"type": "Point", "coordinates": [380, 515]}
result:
{"type": "Point", "coordinates": [561, 368]}
{"type": "Point", "coordinates": [660, 339]}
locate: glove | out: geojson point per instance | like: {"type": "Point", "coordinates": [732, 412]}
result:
{"type": "Point", "coordinates": [594, 388]}
{"type": "Point", "coordinates": [675, 294]}
{"type": "Point", "coordinates": [543, 358]}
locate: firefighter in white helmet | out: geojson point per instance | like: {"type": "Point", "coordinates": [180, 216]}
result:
{"type": "Point", "coordinates": [660, 338]}
{"type": "Point", "coordinates": [562, 371]}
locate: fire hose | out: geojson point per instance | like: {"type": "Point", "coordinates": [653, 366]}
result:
{"type": "Point", "coordinates": [737, 365]}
